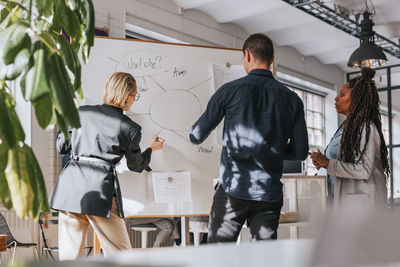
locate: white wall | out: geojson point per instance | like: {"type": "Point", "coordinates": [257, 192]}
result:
{"type": "Point", "coordinates": [191, 26]}
{"type": "Point", "coordinates": [164, 17]}
{"type": "Point", "coordinates": [195, 27]}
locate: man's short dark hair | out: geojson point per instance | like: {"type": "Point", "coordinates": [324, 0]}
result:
{"type": "Point", "coordinates": [260, 46]}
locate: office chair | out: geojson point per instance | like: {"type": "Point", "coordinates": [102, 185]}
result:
{"type": "Point", "coordinates": [12, 243]}
{"type": "Point", "coordinates": [48, 250]}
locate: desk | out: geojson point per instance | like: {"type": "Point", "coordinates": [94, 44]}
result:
{"type": "Point", "coordinates": [185, 214]}
{"type": "Point", "coordinates": [185, 240]}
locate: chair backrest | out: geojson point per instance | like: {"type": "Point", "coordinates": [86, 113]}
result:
{"type": "Point", "coordinates": [52, 220]}
{"type": "Point", "coordinates": [5, 230]}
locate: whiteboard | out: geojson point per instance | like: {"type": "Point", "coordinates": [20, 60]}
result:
{"type": "Point", "coordinates": [175, 83]}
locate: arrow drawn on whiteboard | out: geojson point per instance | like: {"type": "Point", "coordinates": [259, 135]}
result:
{"type": "Point", "coordinates": [113, 59]}
{"type": "Point", "coordinates": [157, 83]}
{"type": "Point", "coordinates": [199, 84]}
{"type": "Point", "coordinates": [144, 80]}
{"type": "Point", "coordinates": [159, 132]}
{"type": "Point", "coordinates": [180, 136]}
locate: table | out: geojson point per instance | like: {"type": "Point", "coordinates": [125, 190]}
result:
{"type": "Point", "coordinates": [292, 179]}
{"type": "Point", "coordinates": [185, 240]}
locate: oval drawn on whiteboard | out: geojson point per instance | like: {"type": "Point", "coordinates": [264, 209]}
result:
{"type": "Point", "coordinates": [144, 63]}
{"type": "Point", "coordinates": [175, 110]}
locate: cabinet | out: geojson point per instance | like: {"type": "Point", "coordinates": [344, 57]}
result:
{"type": "Point", "coordinates": [306, 195]}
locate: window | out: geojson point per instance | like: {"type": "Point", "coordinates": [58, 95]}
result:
{"type": "Point", "coordinates": [385, 127]}
{"type": "Point", "coordinates": [315, 119]}
{"type": "Point", "coordinates": [136, 32]}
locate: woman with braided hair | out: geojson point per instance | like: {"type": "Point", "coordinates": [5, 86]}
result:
{"type": "Point", "coordinates": [361, 165]}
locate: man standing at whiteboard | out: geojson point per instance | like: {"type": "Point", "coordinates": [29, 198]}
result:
{"type": "Point", "coordinates": [264, 124]}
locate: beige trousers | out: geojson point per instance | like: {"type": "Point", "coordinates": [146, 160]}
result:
{"type": "Point", "coordinates": [72, 229]}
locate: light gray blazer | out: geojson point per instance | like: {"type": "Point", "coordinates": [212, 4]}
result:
{"type": "Point", "coordinates": [363, 184]}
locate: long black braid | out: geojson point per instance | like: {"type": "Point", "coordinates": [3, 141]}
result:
{"type": "Point", "coordinates": [364, 108]}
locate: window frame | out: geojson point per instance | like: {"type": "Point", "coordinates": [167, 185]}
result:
{"type": "Point", "coordinates": [308, 166]}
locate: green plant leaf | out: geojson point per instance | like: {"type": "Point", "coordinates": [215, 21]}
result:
{"type": "Point", "coordinates": [76, 34]}
{"type": "Point", "coordinates": [15, 122]}
{"type": "Point", "coordinates": [6, 129]}
{"type": "Point", "coordinates": [24, 3]}
{"type": "Point", "coordinates": [80, 92]}
{"type": "Point", "coordinates": [71, 59]}
{"type": "Point", "coordinates": [5, 196]}
{"type": "Point", "coordinates": [62, 91]}
{"type": "Point", "coordinates": [12, 71]}
{"type": "Point", "coordinates": [18, 182]}
{"type": "Point", "coordinates": [57, 25]}
{"type": "Point", "coordinates": [11, 130]}
{"type": "Point", "coordinates": [73, 4]}
{"type": "Point", "coordinates": [35, 205]}
{"type": "Point", "coordinates": [12, 40]}
{"type": "Point", "coordinates": [36, 80]}
{"type": "Point", "coordinates": [43, 110]}
{"type": "Point", "coordinates": [71, 24]}
{"type": "Point", "coordinates": [4, 14]}
{"type": "Point", "coordinates": [51, 74]}
{"type": "Point", "coordinates": [40, 202]}
{"type": "Point", "coordinates": [9, 15]}
{"type": "Point", "coordinates": [89, 18]}
{"type": "Point", "coordinates": [48, 39]}
{"type": "Point", "coordinates": [62, 124]}
{"type": "Point", "coordinates": [43, 7]}
{"type": "Point", "coordinates": [19, 65]}
{"type": "Point", "coordinates": [87, 10]}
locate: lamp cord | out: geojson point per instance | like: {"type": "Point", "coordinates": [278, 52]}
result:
{"type": "Point", "coordinates": [373, 12]}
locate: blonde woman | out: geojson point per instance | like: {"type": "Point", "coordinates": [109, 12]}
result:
{"type": "Point", "coordinates": [87, 191]}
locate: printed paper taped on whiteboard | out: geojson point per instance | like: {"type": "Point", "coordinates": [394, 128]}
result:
{"type": "Point", "coordinates": [171, 187]}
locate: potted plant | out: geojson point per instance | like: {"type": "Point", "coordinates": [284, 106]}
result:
{"type": "Point", "coordinates": [40, 41]}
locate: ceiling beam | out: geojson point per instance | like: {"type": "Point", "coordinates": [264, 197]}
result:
{"type": "Point", "coordinates": [344, 23]}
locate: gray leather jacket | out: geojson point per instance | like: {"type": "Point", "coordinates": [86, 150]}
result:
{"type": "Point", "coordinates": [88, 186]}
{"type": "Point", "coordinates": [363, 184]}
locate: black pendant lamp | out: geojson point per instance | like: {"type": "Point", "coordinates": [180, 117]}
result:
{"type": "Point", "coordinates": [368, 55]}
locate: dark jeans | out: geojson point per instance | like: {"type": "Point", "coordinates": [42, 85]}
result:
{"type": "Point", "coordinates": [228, 215]}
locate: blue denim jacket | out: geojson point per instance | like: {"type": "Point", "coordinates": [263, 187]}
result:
{"type": "Point", "coordinates": [264, 124]}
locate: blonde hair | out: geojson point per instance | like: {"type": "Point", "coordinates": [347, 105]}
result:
{"type": "Point", "coordinates": [117, 89]}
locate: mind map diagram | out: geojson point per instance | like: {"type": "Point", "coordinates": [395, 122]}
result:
{"type": "Point", "coordinates": [168, 105]}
